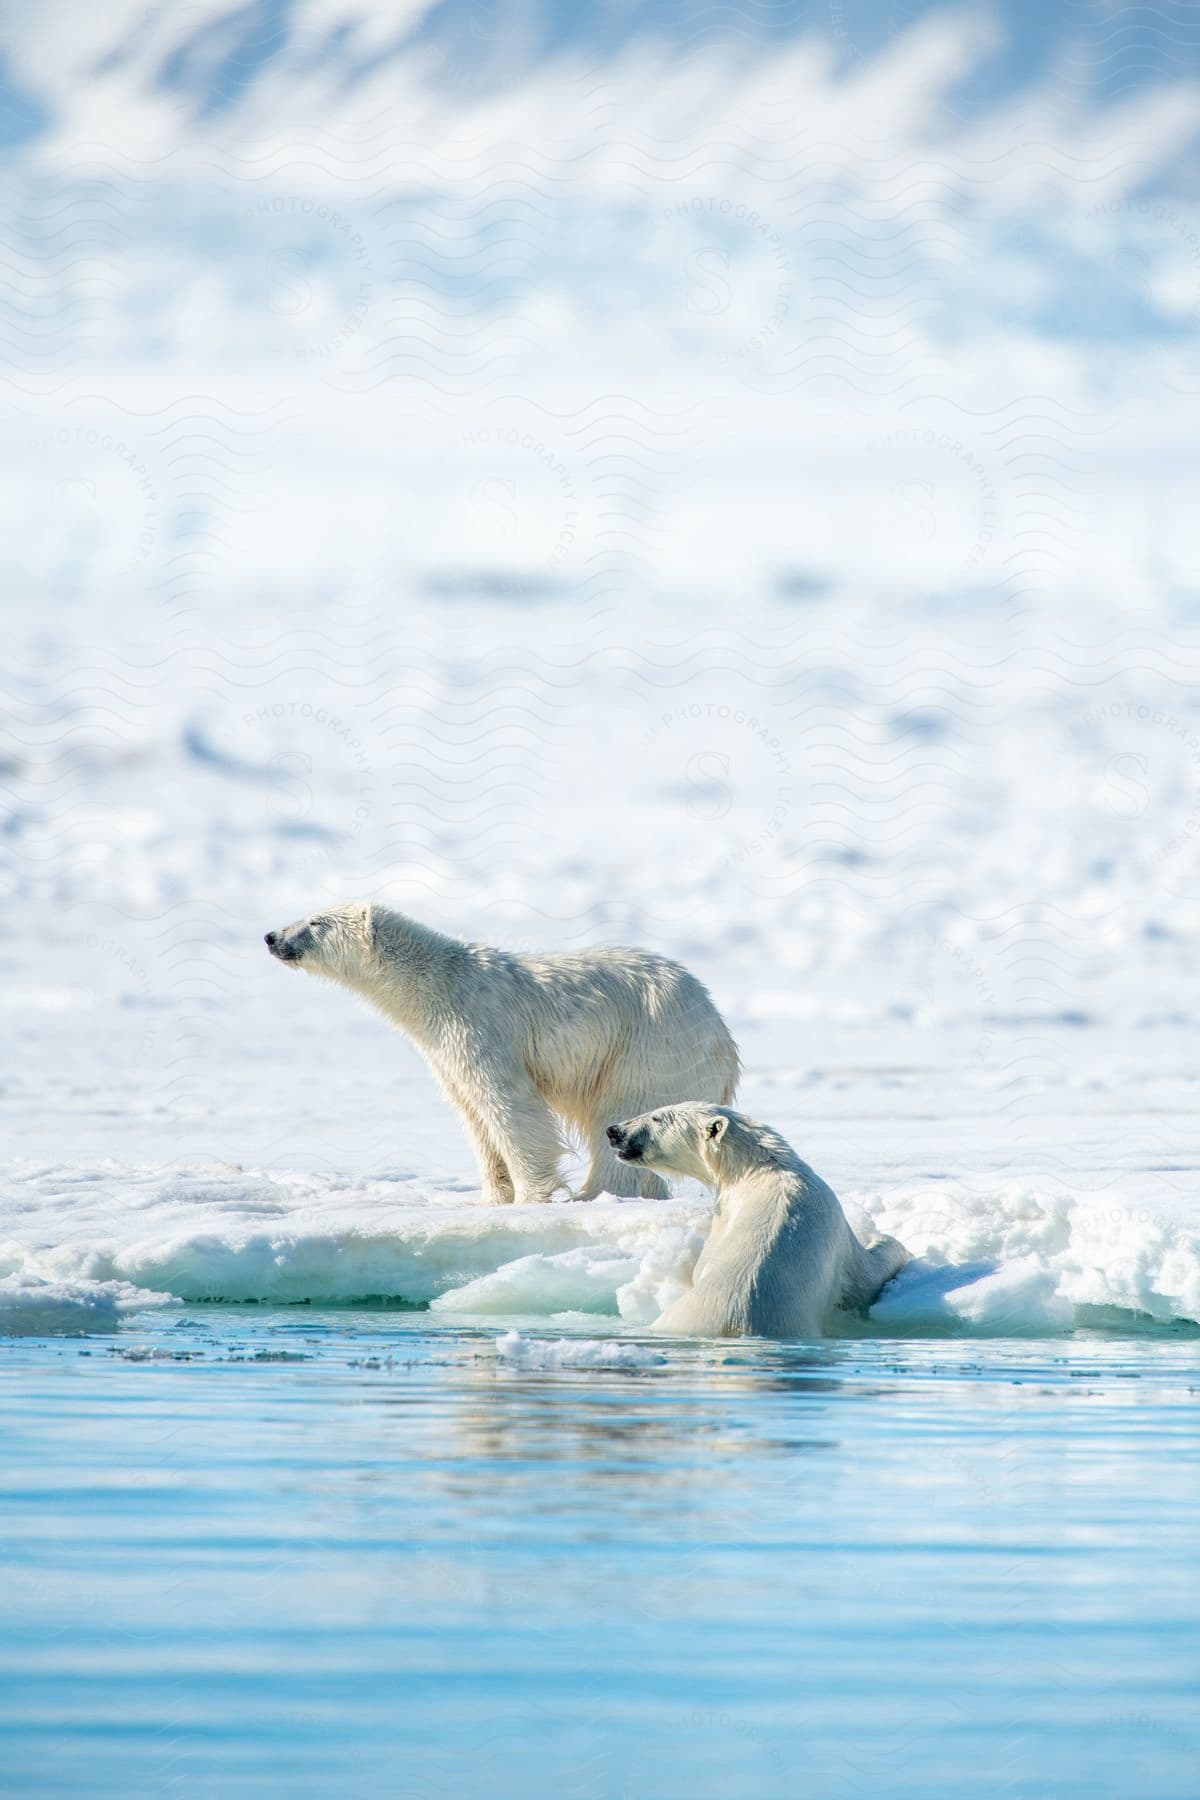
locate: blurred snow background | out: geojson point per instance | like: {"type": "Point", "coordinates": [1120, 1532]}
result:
{"type": "Point", "coordinates": [721, 478]}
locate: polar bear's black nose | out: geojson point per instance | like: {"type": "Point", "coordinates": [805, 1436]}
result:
{"type": "Point", "coordinates": [616, 1136]}
{"type": "Point", "coordinates": [270, 940]}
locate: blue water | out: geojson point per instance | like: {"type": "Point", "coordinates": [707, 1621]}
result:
{"type": "Point", "coordinates": [251, 1550]}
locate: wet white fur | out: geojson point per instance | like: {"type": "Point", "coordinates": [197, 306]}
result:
{"type": "Point", "coordinates": [519, 1042]}
{"type": "Point", "coordinates": [781, 1259]}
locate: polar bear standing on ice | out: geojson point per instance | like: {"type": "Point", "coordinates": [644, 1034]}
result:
{"type": "Point", "coordinates": [781, 1259]}
{"type": "Point", "coordinates": [589, 1036]}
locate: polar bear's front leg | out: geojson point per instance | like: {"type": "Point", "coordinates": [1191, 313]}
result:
{"type": "Point", "coordinates": [494, 1173]}
{"type": "Point", "coordinates": [518, 1122]}
{"type": "Point", "coordinates": [494, 1177]}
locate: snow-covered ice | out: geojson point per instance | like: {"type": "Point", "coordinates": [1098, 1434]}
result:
{"type": "Point", "coordinates": [996, 1259]}
{"type": "Point", "coordinates": [574, 1353]}
{"type": "Point", "coordinates": [39, 1306]}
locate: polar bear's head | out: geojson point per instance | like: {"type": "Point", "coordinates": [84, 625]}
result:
{"type": "Point", "coordinates": [676, 1140]}
{"type": "Point", "coordinates": [337, 943]}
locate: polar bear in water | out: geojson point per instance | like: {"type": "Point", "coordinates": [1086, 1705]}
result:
{"type": "Point", "coordinates": [781, 1259]}
{"type": "Point", "coordinates": [588, 1036]}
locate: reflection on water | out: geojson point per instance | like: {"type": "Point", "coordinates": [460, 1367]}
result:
{"type": "Point", "coordinates": [355, 1552]}
{"type": "Point", "coordinates": [650, 1431]}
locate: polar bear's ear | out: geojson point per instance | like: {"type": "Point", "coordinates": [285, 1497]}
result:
{"type": "Point", "coordinates": [716, 1129]}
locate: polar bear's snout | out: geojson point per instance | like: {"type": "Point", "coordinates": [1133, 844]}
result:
{"type": "Point", "coordinates": [629, 1146]}
{"type": "Point", "coordinates": [289, 944]}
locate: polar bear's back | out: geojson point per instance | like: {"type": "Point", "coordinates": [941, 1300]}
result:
{"type": "Point", "coordinates": [647, 1023]}
{"type": "Point", "coordinates": [818, 1266]}
{"type": "Point", "coordinates": [649, 980]}
{"type": "Point", "coordinates": [781, 1260]}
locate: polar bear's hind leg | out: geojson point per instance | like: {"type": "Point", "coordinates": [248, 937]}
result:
{"type": "Point", "coordinates": [607, 1174]}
